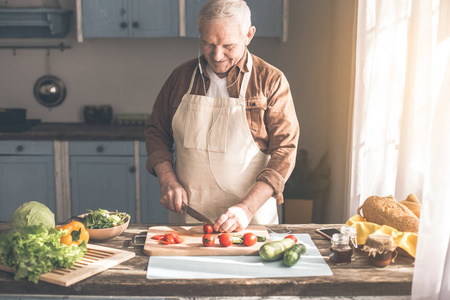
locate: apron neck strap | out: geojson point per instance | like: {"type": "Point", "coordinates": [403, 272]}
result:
{"type": "Point", "coordinates": [192, 80]}
{"type": "Point", "coordinates": [244, 81]}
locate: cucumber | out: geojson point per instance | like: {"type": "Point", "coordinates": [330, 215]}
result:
{"type": "Point", "coordinates": [272, 251]}
{"type": "Point", "coordinates": [293, 254]}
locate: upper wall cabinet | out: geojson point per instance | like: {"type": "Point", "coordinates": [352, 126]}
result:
{"type": "Point", "coordinates": [169, 18]}
{"type": "Point", "coordinates": [130, 18]}
{"type": "Point", "coordinates": [267, 16]}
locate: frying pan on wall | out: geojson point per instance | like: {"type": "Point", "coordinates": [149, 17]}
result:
{"type": "Point", "coordinates": [50, 91]}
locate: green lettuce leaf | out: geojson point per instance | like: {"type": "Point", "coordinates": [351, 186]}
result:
{"type": "Point", "coordinates": [37, 250]}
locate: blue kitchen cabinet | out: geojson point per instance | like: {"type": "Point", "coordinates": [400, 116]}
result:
{"type": "Point", "coordinates": [192, 9]}
{"type": "Point", "coordinates": [26, 174]}
{"type": "Point", "coordinates": [103, 176]}
{"type": "Point", "coordinates": [267, 17]}
{"type": "Point", "coordinates": [152, 210]}
{"type": "Point", "coordinates": [130, 18]}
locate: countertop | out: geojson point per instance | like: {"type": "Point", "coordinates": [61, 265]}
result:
{"type": "Point", "coordinates": [358, 278]}
{"type": "Point", "coordinates": [78, 132]}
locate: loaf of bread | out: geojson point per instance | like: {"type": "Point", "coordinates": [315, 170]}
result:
{"type": "Point", "coordinates": [413, 204]}
{"type": "Point", "coordinates": [387, 211]}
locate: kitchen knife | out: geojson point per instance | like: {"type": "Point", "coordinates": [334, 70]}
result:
{"type": "Point", "coordinates": [196, 215]}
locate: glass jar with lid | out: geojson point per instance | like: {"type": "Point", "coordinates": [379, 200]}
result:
{"type": "Point", "coordinates": [351, 232]}
{"type": "Point", "coordinates": [340, 250]}
{"type": "Point", "coordinates": [380, 248]}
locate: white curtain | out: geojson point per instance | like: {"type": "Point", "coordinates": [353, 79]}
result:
{"type": "Point", "coordinates": [400, 142]}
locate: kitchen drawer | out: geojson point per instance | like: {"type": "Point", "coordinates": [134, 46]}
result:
{"type": "Point", "coordinates": [26, 148]}
{"type": "Point", "coordinates": [101, 148]}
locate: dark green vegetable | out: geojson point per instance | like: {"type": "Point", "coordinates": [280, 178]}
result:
{"type": "Point", "coordinates": [261, 238]}
{"type": "Point", "coordinates": [272, 251]}
{"type": "Point", "coordinates": [292, 255]}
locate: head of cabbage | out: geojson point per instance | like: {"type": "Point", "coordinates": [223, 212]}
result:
{"type": "Point", "coordinates": [32, 214]}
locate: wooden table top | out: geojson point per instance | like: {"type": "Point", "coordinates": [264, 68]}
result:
{"type": "Point", "coordinates": [358, 278]}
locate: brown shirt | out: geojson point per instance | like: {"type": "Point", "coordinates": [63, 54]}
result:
{"type": "Point", "coordinates": [270, 115]}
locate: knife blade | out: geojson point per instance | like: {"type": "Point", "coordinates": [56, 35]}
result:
{"type": "Point", "coordinates": [196, 215]}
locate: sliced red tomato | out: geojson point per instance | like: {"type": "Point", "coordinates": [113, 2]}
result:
{"type": "Point", "coordinates": [176, 237]}
{"type": "Point", "coordinates": [291, 237]}
{"type": "Point", "coordinates": [208, 240]}
{"type": "Point", "coordinates": [225, 239]}
{"type": "Point", "coordinates": [250, 239]}
{"type": "Point", "coordinates": [168, 237]}
{"type": "Point", "coordinates": [208, 228]}
{"type": "Point", "coordinates": [158, 237]}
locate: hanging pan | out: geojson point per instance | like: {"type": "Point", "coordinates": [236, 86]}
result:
{"type": "Point", "coordinates": [49, 91]}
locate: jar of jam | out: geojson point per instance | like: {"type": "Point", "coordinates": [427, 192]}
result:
{"type": "Point", "coordinates": [340, 250]}
{"type": "Point", "coordinates": [351, 232]}
{"type": "Point", "coordinates": [380, 248]}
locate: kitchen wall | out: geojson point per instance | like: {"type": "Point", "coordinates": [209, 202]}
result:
{"type": "Point", "coordinates": [128, 73]}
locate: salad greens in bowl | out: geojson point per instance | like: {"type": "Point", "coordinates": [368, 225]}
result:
{"type": "Point", "coordinates": [104, 225]}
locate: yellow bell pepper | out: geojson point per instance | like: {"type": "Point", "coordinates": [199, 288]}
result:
{"type": "Point", "coordinates": [76, 233]}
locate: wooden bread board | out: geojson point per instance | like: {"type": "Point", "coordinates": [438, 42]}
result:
{"type": "Point", "coordinates": [96, 260]}
{"type": "Point", "coordinates": [193, 246]}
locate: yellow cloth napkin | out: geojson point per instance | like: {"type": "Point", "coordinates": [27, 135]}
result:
{"type": "Point", "coordinates": [405, 240]}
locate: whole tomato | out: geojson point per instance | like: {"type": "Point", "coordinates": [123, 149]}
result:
{"type": "Point", "coordinates": [250, 239]}
{"type": "Point", "coordinates": [291, 237]}
{"type": "Point", "coordinates": [225, 239]}
{"type": "Point", "coordinates": [208, 240]}
{"type": "Point", "coordinates": [208, 228]}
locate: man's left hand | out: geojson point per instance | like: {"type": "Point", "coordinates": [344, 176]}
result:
{"type": "Point", "coordinates": [236, 218]}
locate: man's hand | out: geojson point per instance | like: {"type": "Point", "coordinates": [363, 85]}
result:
{"type": "Point", "coordinates": [173, 195]}
{"type": "Point", "coordinates": [236, 218]}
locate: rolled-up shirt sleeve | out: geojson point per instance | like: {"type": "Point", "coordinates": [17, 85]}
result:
{"type": "Point", "coordinates": [283, 133]}
{"type": "Point", "coordinates": [158, 130]}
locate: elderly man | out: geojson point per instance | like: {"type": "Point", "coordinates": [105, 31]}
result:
{"type": "Point", "coordinates": [233, 122]}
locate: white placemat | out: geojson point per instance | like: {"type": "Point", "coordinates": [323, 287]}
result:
{"type": "Point", "coordinates": [195, 267]}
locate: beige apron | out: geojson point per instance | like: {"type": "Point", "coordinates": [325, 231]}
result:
{"type": "Point", "coordinates": [217, 159]}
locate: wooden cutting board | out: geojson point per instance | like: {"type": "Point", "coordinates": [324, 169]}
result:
{"type": "Point", "coordinates": [193, 246]}
{"type": "Point", "coordinates": [96, 260]}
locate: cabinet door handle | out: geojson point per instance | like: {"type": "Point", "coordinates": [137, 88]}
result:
{"type": "Point", "coordinates": [100, 149]}
{"type": "Point", "coordinates": [19, 148]}
{"type": "Point", "coordinates": [123, 25]}
{"type": "Point", "coordinates": [135, 24]}
{"type": "Point", "coordinates": [132, 169]}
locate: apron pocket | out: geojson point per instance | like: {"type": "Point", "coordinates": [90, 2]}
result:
{"type": "Point", "coordinates": [206, 125]}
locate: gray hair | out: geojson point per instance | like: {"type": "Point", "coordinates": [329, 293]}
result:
{"type": "Point", "coordinates": [232, 11]}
